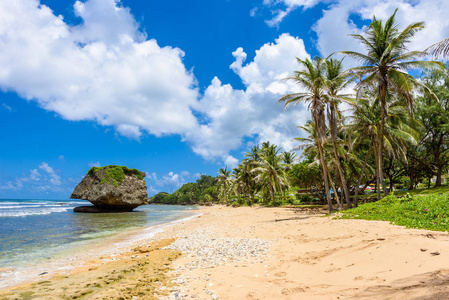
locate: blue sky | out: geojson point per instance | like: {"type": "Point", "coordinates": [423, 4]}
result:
{"type": "Point", "coordinates": [173, 88]}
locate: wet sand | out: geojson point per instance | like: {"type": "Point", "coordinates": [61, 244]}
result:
{"type": "Point", "coordinates": [262, 253]}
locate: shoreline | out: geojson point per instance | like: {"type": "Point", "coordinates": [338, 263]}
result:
{"type": "Point", "coordinates": [266, 253]}
{"type": "Point", "coordinates": [68, 260]}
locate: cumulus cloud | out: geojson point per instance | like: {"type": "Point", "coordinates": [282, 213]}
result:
{"type": "Point", "coordinates": [335, 25]}
{"type": "Point", "coordinates": [103, 69]}
{"type": "Point", "coordinates": [106, 70]}
{"type": "Point", "coordinates": [338, 19]}
{"type": "Point", "coordinates": [252, 112]}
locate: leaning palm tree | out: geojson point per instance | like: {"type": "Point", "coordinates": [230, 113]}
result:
{"type": "Point", "coordinates": [311, 79]}
{"type": "Point", "coordinates": [386, 64]}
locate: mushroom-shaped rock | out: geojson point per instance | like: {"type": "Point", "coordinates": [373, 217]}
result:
{"type": "Point", "coordinates": [111, 188]}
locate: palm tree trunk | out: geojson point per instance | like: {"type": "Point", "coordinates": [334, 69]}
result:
{"type": "Point", "coordinates": [383, 105]}
{"type": "Point", "coordinates": [335, 189]}
{"type": "Point", "coordinates": [326, 183]}
{"type": "Point", "coordinates": [376, 159]}
{"type": "Point", "coordinates": [333, 127]}
{"type": "Point", "coordinates": [272, 193]}
{"type": "Point", "coordinates": [361, 176]}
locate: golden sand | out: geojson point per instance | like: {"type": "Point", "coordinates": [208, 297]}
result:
{"type": "Point", "coordinates": [310, 256]}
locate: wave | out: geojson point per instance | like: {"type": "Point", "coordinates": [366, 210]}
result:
{"type": "Point", "coordinates": [29, 212]}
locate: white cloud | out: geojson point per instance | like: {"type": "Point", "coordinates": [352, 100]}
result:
{"type": "Point", "coordinates": [234, 114]}
{"type": "Point", "coordinates": [106, 70]}
{"type": "Point", "coordinates": [103, 69]}
{"type": "Point", "coordinates": [15, 185]}
{"type": "Point", "coordinates": [338, 20]}
{"type": "Point", "coordinates": [281, 8]}
{"type": "Point", "coordinates": [44, 166]}
{"type": "Point", "coordinates": [35, 175]}
{"type": "Point", "coordinates": [54, 178]}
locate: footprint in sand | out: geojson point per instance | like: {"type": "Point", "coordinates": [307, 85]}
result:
{"type": "Point", "coordinates": [299, 289]}
{"type": "Point", "coordinates": [332, 270]}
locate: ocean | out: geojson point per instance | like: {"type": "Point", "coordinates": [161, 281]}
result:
{"type": "Point", "coordinates": [36, 231]}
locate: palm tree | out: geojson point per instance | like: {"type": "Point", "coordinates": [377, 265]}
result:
{"type": "Point", "coordinates": [288, 158]}
{"type": "Point", "coordinates": [271, 170]}
{"type": "Point", "coordinates": [311, 78]}
{"type": "Point", "coordinates": [246, 178]}
{"type": "Point", "coordinates": [236, 184]}
{"type": "Point", "coordinates": [310, 148]}
{"type": "Point", "coordinates": [400, 128]}
{"type": "Point", "coordinates": [335, 82]}
{"type": "Point", "coordinates": [439, 49]}
{"type": "Point", "coordinates": [224, 182]}
{"type": "Point", "coordinates": [385, 65]}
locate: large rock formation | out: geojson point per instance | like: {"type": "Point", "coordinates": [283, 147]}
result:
{"type": "Point", "coordinates": [111, 188]}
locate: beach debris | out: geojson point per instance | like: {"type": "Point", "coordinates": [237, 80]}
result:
{"type": "Point", "coordinates": [435, 253]}
{"type": "Point", "coordinates": [111, 189]}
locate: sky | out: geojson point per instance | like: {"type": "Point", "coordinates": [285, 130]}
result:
{"type": "Point", "coordinates": [175, 89]}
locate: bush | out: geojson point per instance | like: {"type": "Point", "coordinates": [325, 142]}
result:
{"type": "Point", "coordinates": [305, 198]}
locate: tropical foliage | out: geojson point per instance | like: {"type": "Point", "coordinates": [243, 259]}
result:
{"type": "Point", "coordinates": [392, 135]}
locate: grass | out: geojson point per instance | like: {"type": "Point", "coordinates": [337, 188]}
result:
{"type": "Point", "coordinates": [426, 209]}
{"type": "Point", "coordinates": [115, 174]}
{"type": "Point", "coordinates": [425, 191]}
{"type": "Point", "coordinates": [415, 192]}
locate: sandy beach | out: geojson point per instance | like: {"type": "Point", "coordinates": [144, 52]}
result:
{"type": "Point", "coordinates": [260, 253]}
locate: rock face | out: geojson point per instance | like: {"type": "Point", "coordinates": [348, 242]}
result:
{"type": "Point", "coordinates": [111, 188]}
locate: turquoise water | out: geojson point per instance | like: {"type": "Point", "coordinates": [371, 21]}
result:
{"type": "Point", "coordinates": [32, 231]}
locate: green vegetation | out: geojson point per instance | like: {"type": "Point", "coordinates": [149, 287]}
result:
{"type": "Point", "coordinates": [115, 174]}
{"type": "Point", "coordinates": [422, 212]}
{"type": "Point", "coordinates": [204, 191]}
{"type": "Point", "coordinates": [394, 136]}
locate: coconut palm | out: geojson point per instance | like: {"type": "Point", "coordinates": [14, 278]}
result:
{"type": "Point", "coordinates": [245, 176]}
{"type": "Point", "coordinates": [224, 182]}
{"type": "Point", "coordinates": [386, 65]}
{"type": "Point", "coordinates": [399, 129]}
{"type": "Point", "coordinates": [288, 158]}
{"type": "Point", "coordinates": [309, 147]}
{"type": "Point", "coordinates": [440, 49]}
{"type": "Point", "coordinates": [335, 82]}
{"type": "Point", "coordinates": [271, 170]}
{"type": "Point", "coordinates": [311, 79]}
